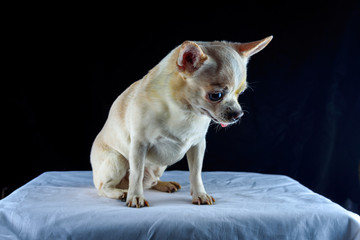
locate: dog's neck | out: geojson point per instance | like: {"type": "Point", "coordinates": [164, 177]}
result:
{"type": "Point", "coordinates": [165, 73]}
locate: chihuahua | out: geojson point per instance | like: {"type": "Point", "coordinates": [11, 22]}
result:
{"type": "Point", "coordinates": [165, 115]}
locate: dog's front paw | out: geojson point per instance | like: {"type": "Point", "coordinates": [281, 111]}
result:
{"type": "Point", "coordinates": [202, 198]}
{"type": "Point", "coordinates": [136, 201]}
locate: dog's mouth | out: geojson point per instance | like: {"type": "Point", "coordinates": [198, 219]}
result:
{"type": "Point", "coordinates": [214, 119]}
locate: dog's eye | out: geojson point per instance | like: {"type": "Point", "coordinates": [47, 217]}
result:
{"type": "Point", "coordinates": [215, 97]}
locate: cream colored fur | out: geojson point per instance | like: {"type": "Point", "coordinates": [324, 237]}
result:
{"type": "Point", "coordinates": [165, 115]}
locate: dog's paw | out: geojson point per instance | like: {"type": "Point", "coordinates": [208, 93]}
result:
{"type": "Point", "coordinates": [123, 197]}
{"type": "Point", "coordinates": [136, 201]}
{"type": "Point", "coordinates": [169, 187]}
{"type": "Point", "coordinates": [202, 198]}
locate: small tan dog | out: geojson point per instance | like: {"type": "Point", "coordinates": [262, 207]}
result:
{"type": "Point", "coordinates": [165, 115]}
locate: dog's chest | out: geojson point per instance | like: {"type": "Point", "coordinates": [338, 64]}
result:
{"type": "Point", "coordinates": [173, 142]}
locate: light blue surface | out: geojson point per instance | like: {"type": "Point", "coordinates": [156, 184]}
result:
{"type": "Point", "coordinates": [65, 205]}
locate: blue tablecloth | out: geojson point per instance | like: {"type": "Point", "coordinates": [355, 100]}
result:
{"type": "Point", "coordinates": [65, 205]}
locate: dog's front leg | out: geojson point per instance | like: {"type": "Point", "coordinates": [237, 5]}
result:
{"type": "Point", "coordinates": [195, 157]}
{"type": "Point", "coordinates": [135, 197]}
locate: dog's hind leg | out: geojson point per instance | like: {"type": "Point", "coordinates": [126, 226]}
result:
{"type": "Point", "coordinates": [111, 174]}
{"type": "Point", "coordinates": [169, 187]}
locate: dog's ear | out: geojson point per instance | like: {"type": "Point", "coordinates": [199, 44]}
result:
{"type": "Point", "coordinates": [191, 57]}
{"type": "Point", "coordinates": [250, 48]}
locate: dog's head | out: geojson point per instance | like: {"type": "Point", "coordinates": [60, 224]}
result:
{"type": "Point", "coordinates": [215, 75]}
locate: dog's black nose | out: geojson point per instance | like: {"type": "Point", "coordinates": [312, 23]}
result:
{"type": "Point", "coordinates": [237, 115]}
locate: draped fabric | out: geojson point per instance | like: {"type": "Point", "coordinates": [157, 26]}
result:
{"type": "Point", "coordinates": [65, 205]}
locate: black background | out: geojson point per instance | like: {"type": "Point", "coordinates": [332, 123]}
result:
{"type": "Point", "coordinates": [65, 65]}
